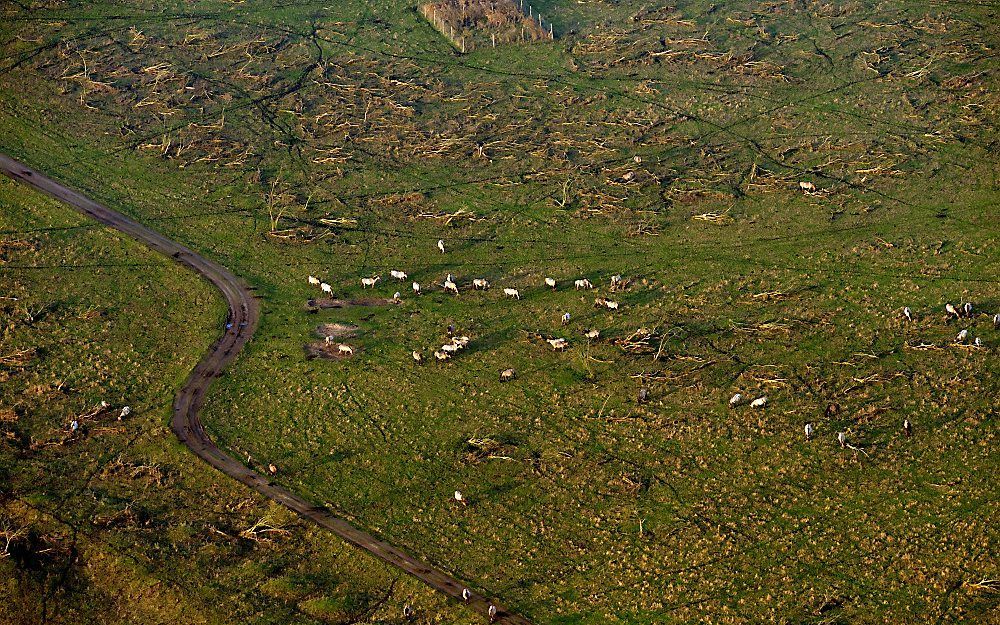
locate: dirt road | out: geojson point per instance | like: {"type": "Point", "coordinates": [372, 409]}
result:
{"type": "Point", "coordinates": [244, 312]}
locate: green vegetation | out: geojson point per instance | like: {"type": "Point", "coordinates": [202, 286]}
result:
{"type": "Point", "coordinates": [662, 143]}
{"type": "Point", "coordinates": [116, 523]}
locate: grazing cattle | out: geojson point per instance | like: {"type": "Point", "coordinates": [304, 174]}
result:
{"type": "Point", "coordinates": [967, 309]}
{"type": "Point", "coordinates": [441, 245]}
{"type": "Point", "coordinates": [952, 312]}
{"type": "Point", "coordinates": [451, 286]}
{"type": "Point", "coordinates": [512, 293]}
{"type": "Point", "coordinates": [460, 498]}
{"type": "Point", "coordinates": [582, 283]}
{"type": "Point", "coordinates": [559, 344]}
{"type": "Point", "coordinates": [962, 336]}
{"type": "Point", "coordinates": [807, 187]}
{"type": "Point", "coordinates": [593, 334]}
{"type": "Point", "coordinates": [480, 283]}
{"type": "Point", "coordinates": [907, 428]}
{"type": "Point", "coordinates": [809, 431]}
{"type": "Point", "coordinates": [369, 282]}
{"type": "Point", "coordinates": [440, 355]}
{"type": "Point", "coordinates": [908, 313]}
{"type": "Point", "coordinates": [550, 282]}
{"type": "Point", "coordinates": [492, 612]}
{"type": "Point", "coordinates": [416, 288]}
{"type": "Point", "coordinates": [735, 400]}
{"type": "Point", "coordinates": [346, 350]}
{"type": "Point", "coordinates": [417, 356]}
{"type": "Point", "coordinates": [565, 318]}
{"type": "Point", "coordinates": [610, 305]}
{"type": "Point", "coordinates": [326, 288]}
{"type": "Point", "coordinates": [466, 595]}
{"type": "Point", "coordinates": [399, 275]}
{"type": "Point", "coordinates": [313, 280]}
{"type": "Point", "coordinates": [126, 411]}
{"type": "Point", "coordinates": [507, 375]}
{"type": "Point", "coordinates": [643, 396]}
{"type": "Point", "coordinates": [760, 402]}
{"type": "Point", "coordinates": [842, 439]}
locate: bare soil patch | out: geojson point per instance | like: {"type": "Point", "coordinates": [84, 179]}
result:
{"type": "Point", "coordinates": [327, 302]}
{"type": "Point", "coordinates": [337, 330]}
{"type": "Point", "coordinates": [328, 351]}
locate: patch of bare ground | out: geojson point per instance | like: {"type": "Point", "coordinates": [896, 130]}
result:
{"type": "Point", "coordinates": [336, 330]}
{"type": "Point", "coordinates": [328, 302]}
{"type": "Point", "coordinates": [329, 350]}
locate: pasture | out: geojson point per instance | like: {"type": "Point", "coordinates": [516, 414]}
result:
{"type": "Point", "coordinates": [665, 144]}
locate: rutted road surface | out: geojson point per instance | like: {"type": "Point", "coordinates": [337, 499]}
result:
{"type": "Point", "coordinates": [244, 313]}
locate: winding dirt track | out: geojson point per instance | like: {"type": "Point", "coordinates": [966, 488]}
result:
{"type": "Point", "coordinates": [244, 313]}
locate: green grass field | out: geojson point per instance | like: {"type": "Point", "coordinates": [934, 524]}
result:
{"type": "Point", "coordinates": [662, 143]}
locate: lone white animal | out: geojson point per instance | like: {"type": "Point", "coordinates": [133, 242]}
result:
{"type": "Point", "coordinates": [735, 400]}
{"type": "Point", "coordinates": [396, 296]}
{"type": "Point", "coordinates": [996, 320]}
{"type": "Point", "coordinates": [399, 275]}
{"type": "Point", "coordinates": [507, 375]}
{"type": "Point", "coordinates": [559, 344]}
{"type": "Point", "coordinates": [417, 356]}
{"type": "Point", "coordinates": [948, 308]}
{"type": "Point", "coordinates": [550, 282]}
{"type": "Point", "coordinates": [962, 336]}
{"type": "Point", "coordinates": [809, 431]}
{"type": "Point", "coordinates": [326, 288]}
{"type": "Point", "coordinates": [329, 339]}
{"type": "Point", "coordinates": [492, 612]}
{"type": "Point", "coordinates": [459, 497]}
{"type": "Point", "coordinates": [451, 286]}
{"type": "Point", "coordinates": [369, 282]}
{"type": "Point", "coordinates": [842, 439]}
{"type": "Point", "coordinates": [416, 288]}
{"type": "Point", "coordinates": [480, 283]}
{"type": "Point", "coordinates": [313, 280]}
{"type": "Point", "coordinates": [593, 333]}
{"type": "Point", "coordinates": [441, 245]}
{"type": "Point", "coordinates": [565, 318]}
{"type": "Point", "coordinates": [347, 350]}
{"type": "Point", "coordinates": [583, 283]}
{"type": "Point", "coordinates": [126, 411]}
{"type": "Point", "coordinates": [806, 186]}
{"type": "Point", "coordinates": [967, 309]}
{"type": "Point", "coordinates": [978, 342]}
{"type": "Point", "coordinates": [908, 313]}
{"type": "Point", "coordinates": [611, 305]}
{"type": "Point", "coordinates": [760, 402]}
{"type": "Point", "coordinates": [512, 293]}
{"type": "Point", "coordinates": [466, 595]}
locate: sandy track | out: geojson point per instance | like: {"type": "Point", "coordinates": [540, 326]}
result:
{"type": "Point", "coordinates": [244, 313]}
